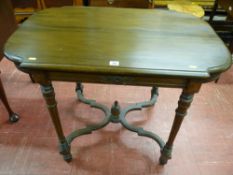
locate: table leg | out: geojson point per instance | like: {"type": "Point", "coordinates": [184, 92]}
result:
{"type": "Point", "coordinates": [49, 96]}
{"type": "Point", "coordinates": [183, 105]}
{"type": "Point", "coordinates": [13, 117]}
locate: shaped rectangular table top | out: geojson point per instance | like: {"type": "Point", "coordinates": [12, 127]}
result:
{"type": "Point", "coordinates": [118, 41]}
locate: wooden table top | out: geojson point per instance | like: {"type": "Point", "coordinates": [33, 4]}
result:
{"type": "Point", "coordinates": [118, 41]}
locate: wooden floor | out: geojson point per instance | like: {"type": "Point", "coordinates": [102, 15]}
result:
{"type": "Point", "coordinates": [29, 147]}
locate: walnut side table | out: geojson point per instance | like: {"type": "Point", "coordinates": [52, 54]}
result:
{"type": "Point", "coordinates": [118, 46]}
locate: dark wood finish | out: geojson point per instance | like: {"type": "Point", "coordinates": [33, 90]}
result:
{"type": "Point", "coordinates": [215, 7]}
{"type": "Point", "coordinates": [231, 46]}
{"type": "Point", "coordinates": [227, 5]}
{"type": "Point", "coordinates": [120, 3]}
{"type": "Point", "coordinates": [13, 117]}
{"type": "Point", "coordinates": [57, 3]}
{"type": "Point", "coordinates": [138, 42]}
{"type": "Point", "coordinates": [148, 47]}
{"type": "Point", "coordinates": [8, 25]}
{"type": "Point", "coordinates": [223, 28]}
{"type": "Point", "coordinates": [24, 3]}
{"type": "Point", "coordinates": [25, 8]}
{"type": "Point", "coordinates": [4, 98]}
{"type": "Point", "coordinates": [34, 3]}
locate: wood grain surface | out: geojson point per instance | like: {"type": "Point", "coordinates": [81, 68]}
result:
{"type": "Point", "coordinates": [142, 41]}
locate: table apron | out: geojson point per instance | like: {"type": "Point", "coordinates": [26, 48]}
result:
{"type": "Point", "coordinates": [159, 81]}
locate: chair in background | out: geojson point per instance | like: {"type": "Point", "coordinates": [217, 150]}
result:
{"type": "Point", "coordinates": [118, 3]}
{"type": "Point", "coordinates": [24, 8]}
{"type": "Point", "coordinates": [8, 25]}
{"type": "Point", "coordinates": [224, 28]}
{"type": "Point", "coordinates": [58, 3]}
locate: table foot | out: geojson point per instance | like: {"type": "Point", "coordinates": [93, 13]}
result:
{"type": "Point", "coordinates": [65, 151]}
{"type": "Point", "coordinates": [115, 115]}
{"type": "Point", "coordinates": [13, 117]}
{"type": "Point", "coordinates": [166, 153]}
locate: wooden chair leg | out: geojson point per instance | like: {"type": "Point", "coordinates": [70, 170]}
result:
{"type": "Point", "coordinates": [13, 117]}
{"type": "Point", "coordinates": [31, 78]}
{"type": "Point", "coordinates": [213, 11]}
{"type": "Point", "coordinates": [40, 4]}
{"type": "Point", "coordinates": [86, 2]}
{"type": "Point", "coordinates": [78, 2]}
{"type": "Point", "coordinates": [231, 47]}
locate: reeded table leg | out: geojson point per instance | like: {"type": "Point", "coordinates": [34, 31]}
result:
{"type": "Point", "coordinates": [13, 117]}
{"type": "Point", "coordinates": [183, 105]}
{"type": "Point", "coordinates": [49, 96]}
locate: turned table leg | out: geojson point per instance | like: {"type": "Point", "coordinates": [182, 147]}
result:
{"type": "Point", "coordinates": [184, 102]}
{"type": "Point", "coordinates": [49, 96]}
{"type": "Point", "coordinates": [13, 117]}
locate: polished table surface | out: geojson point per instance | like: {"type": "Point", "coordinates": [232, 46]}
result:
{"type": "Point", "coordinates": [150, 42]}
{"type": "Point", "coordinates": [156, 48]}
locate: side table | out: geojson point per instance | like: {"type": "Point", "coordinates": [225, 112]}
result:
{"type": "Point", "coordinates": [153, 48]}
